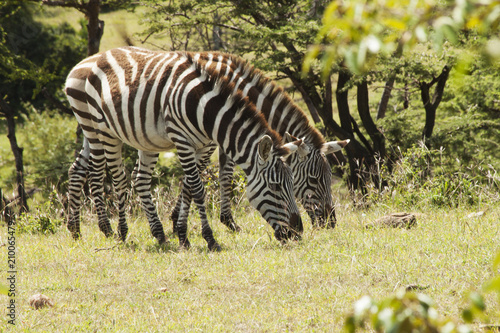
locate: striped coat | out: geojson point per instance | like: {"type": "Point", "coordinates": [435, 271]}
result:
{"type": "Point", "coordinates": [155, 101]}
{"type": "Point", "coordinates": [312, 173]}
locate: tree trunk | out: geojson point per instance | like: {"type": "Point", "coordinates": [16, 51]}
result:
{"type": "Point", "coordinates": [342, 94]}
{"type": "Point", "coordinates": [18, 155]}
{"type": "Point", "coordinates": [377, 137]}
{"type": "Point", "coordinates": [386, 95]}
{"type": "Point", "coordinates": [95, 26]}
{"type": "Point", "coordinates": [431, 104]}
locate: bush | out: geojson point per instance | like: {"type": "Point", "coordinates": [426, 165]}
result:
{"type": "Point", "coordinates": [49, 145]}
{"type": "Point", "coordinates": [421, 177]}
{"type": "Point", "coordinates": [41, 220]}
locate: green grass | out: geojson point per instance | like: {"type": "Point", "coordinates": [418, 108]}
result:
{"type": "Point", "coordinates": [255, 284]}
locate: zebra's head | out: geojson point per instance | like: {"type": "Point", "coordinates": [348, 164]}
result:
{"type": "Point", "coordinates": [313, 178]}
{"type": "Point", "coordinates": [270, 188]}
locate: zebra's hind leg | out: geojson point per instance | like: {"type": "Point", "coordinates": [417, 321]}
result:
{"type": "Point", "coordinates": [77, 176]}
{"type": "Point", "coordinates": [97, 165]}
{"type": "Point", "coordinates": [226, 170]}
{"type": "Point", "coordinates": [142, 184]}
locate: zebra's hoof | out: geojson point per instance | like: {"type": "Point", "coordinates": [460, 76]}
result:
{"type": "Point", "coordinates": [215, 247]}
{"type": "Point", "coordinates": [228, 221]}
{"type": "Point", "coordinates": [76, 235]}
{"type": "Point", "coordinates": [74, 230]}
{"type": "Point", "coordinates": [184, 245]}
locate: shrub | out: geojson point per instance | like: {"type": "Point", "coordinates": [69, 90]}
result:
{"type": "Point", "coordinates": [41, 220]}
{"type": "Point", "coordinates": [49, 145]}
{"type": "Point", "coordinates": [421, 177]}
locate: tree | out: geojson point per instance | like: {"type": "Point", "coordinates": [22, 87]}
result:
{"type": "Point", "coordinates": [351, 42]}
{"type": "Point", "coordinates": [275, 35]}
{"type": "Point", "coordinates": [25, 70]}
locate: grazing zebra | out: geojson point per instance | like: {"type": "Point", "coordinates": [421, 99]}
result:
{"type": "Point", "coordinates": [155, 101]}
{"type": "Point", "coordinates": [311, 170]}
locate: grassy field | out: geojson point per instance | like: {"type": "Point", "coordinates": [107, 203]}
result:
{"type": "Point", "coordinates": [255, 284]}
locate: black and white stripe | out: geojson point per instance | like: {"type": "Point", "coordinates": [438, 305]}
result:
{"type": "Point", "coordinates": [311, 170]}
{"type": "Point", "coordinates": [155, 101]}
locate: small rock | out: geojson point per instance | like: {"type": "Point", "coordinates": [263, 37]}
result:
{"type": "Point", "coordinates": [477, 214]}
{"type": "Point", "coordinates": [39, 301]}
{"type": "Point", "coordinates": [395, 220]}
{"type": "Point", "coordinates": [411, 287]}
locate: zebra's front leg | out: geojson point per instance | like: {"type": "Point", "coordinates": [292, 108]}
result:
{"type": "Point", "coordinates": [194, 185]}
{"type": "Point", "coordinates": [177, 209]}
{"type": "Point", "coordinates": [226, 170]}
{"type": "Point", "coordinates": [203, 159]}
{"type": "Point", "coordinates": [142, 184]}
{"type": "Point", "coordinates": [182, 206]}
{"type": "Point", "coordinates": [77, 175]}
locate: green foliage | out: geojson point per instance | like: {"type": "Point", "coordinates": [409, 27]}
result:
{"type": "Point", "coordinates": [49, 143]}
{"type": "Point", "coordinates": [270, 32]}
{"type": "Point", "coordinates": [210, 178]}
{"type": "Point", "coordinates": [421, 177]}
{"type": "Point", "coordinates": [410, 312]}
{"type": "Point", "coordinates": [404, 312]}
{"type": "Point", "coordinates": [41, 221]}
{"type": "Point", "coordinates": [33, 56]}
{"type": "Point", "coordinates": [359, 31]}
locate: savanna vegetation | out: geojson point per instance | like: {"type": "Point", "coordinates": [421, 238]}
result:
{"type": "Point", "coordinates": [415, 89]}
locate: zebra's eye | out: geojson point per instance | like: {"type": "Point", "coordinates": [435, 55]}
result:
{"type": "Point", "coordinates": [313, 180]}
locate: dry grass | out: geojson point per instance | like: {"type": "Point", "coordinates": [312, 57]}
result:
{"type": "Point", "coordinates": [255, 284]}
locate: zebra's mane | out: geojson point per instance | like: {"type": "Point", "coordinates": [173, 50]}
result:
{"type": "Point", "coordinates": [242, 103]}
{"type": "Point", "coordinates": [262, 84]}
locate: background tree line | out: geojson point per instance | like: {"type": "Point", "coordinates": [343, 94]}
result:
{"type": "Point", "coordinates": [377, 75]}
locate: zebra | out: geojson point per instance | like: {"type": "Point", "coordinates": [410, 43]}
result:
{"type": "Point", "coordinates": [156, 101]}
{"type": "Point", "coordinates": [311, 170]}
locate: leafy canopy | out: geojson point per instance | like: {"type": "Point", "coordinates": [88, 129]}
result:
{"type": "Point", "coordinates": [358, 30]}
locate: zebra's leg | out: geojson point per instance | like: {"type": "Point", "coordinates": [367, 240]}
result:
{"type": "Point", "coordinates": [142, 174]}
{"type": "Point", "coordinates": [192, 181]}
{"type": "Point", "coordinates": [177, 209]}
{"type": "Point", "coordinates": [114, 161]}
{"type": "Point", "coordinates": [183, 204]}
{"type": "Point", "coordinates": [203, 159]}
{"type": "Point", "coordinates": [77, 176]}
{"type": "Point", "coordinates": [97, 166]}
{"type": "Point", "coordinates": [226, 170]}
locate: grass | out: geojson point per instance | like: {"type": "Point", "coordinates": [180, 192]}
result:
{"type": "Point", "coordinates": [254, 284]}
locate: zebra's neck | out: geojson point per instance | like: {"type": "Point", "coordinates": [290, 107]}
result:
{"type": "Point", "coordinates": [281, 113]}
{"type": "Point", "coordinates": [211, 106]}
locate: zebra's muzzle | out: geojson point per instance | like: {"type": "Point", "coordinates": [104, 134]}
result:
{"type": "Point", "coordinates": [296, 223]}
{"type": "Point", "coordinates": [327, 218]}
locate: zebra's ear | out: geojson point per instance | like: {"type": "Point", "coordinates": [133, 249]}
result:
{"type": "Point", "coordinates": [265, 148]}
{"type": "Point", "coordinates": [333, 146]}
{"type": "Point", "coordinates": [302, 150]}
{"type": "Point", "coordinates": [289, 138]}
{"type": "Point", "coordinates": [292, 147]}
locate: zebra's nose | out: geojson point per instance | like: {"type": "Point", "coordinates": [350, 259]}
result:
{"type": "Point", "coordinates": [296, 223]}
{"type": "Point", "coordinates": [330, 217]}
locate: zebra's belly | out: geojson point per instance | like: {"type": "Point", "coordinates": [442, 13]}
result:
{"type": "Point", "coordinates": [151, 139]}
